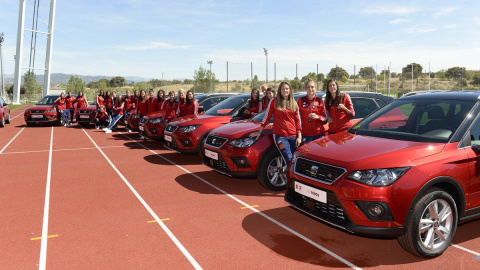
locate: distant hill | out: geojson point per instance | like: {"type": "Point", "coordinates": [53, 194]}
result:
{"type": "Point", "coordinates": [58, 78]}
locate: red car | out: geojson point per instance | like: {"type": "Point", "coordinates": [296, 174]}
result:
{"type": "Point", "coordinates": [153, 127]}
{"type": "Point", "coordinates": [86, 115]}
{"type": "Point", "coordinates": [186, 134]}
{"type": "Point", "coordinates": [43, 112]}
{"type": "Point", "coordinates": [229, 149]}
{"type": "Point", "coordinates": [414, 179]}
{"type": "Point", "coordinates": [4, 113]}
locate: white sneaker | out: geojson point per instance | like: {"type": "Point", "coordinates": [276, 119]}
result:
{"type": "Point", "coordinates": [97, 127]}
{"type": "Point", "coordinates": [70, 125]}
{"type": "Point", "coordinates": [142, 138]}
{"type": "Point", "coordinates": [129, 130]}
{"type": "Point", "coordinates": [105, 129]}
{"type": "Point", "coordinates": [108, 131]}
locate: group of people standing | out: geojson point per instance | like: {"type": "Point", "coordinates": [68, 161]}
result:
{"type": "Point", "coordinates": [111, 108]}
{"type": "Point", "coordinates": [65, 105]}
{"type": "Point", "coordinates": [300, 122]}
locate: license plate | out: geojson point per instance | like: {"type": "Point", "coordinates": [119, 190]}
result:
{"type": "Point", "coordinates": [141, 128]}
{"type": "Point", "coordinates": [168, 138]}
{"type": "Point", "coordinates": [211, 154]}
{"type": "Point", "coordinates": [37, 116]}
{"type": "Point", "coordinates": [84, 116]}
{"type": "Point", "coordinates": [313, 193]}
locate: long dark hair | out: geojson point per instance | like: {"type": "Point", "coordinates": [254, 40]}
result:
{"type": "Point", "coordinates": [328, 96]}
{"type": "Point", "coordinates": [188, 100]}
{"type": "Point", "coordinates": [140, 98]}
{"type": "Point", "coordinates": [160, 99]}
{"type": "Point", "coordinates": [254, 102]}
{"type": "Point", "coordinates": [101, 93]}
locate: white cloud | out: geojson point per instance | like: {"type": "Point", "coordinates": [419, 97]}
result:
{"type": "Point", "coordinates": [397, 21]}
{"type": "Point", "coordinates": [450, 26]}
{"type": "Point", "coordinates": [154, 45]}
{"type": "Point", "coordinates": [444, 11]}
{"type": "Point", "coordinates": [419, 30]}
{"type": "Point", "coordinates": [390, 10]}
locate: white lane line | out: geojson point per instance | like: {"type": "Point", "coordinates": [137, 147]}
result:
{"type": "Point", "coordinates": [154, 215]}
{"type": "Point", "coordinates": [466, 249]}
{"type": "Point", "coordinates": [66, 149]}
{"type": "Point", "coordinates": [43, 248]}
{"type": "Point", "coordinates": [253, 209]}
{"type": "Point", "coordinates": [3, 149]}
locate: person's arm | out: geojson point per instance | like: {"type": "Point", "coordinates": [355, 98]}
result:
{"type": "Point", "coordinates": [348, 106]}
{"type": "Point", "coordinates": [265, 121]}
{"type": "Point", "coordinates": [195, 107]}
{"type": "Point", "coordinates": [298, 127]}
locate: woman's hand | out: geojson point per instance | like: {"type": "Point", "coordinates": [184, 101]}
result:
{"type": "Point", "coordinates": [313, 116]}
{"type": "Point", "coordinates": [255, 134]}
{"type": "Point", "coordinates": [330, 120]}
{"type": "Point", "coordinates": [298, 141]}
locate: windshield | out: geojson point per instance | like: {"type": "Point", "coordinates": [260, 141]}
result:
{"type": "Point", "coordinates": [419, 120]}
{"type": "Point", "coordinates": [228, 106]}
{"type": "Point", "coordinates": [48, 100]}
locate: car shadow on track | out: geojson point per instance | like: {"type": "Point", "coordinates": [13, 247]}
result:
{"type": "Point", "coordinates": [174, 157]}
{"type": "Point", "coordinates": [360, 251]}
{"type": "Point", "coordinates": [467, 232]}
{"type": "Point", "coordinates": [233, 186]}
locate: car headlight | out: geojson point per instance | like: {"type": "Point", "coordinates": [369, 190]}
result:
{"type": "Point", "coordinates": [52, 110]}
{"type": "Point", "coordinates": [378, 177]}
{"type": "Point", "coordinates": [188, 128]}
{"type": "Point", "coordinates": [135, 116]}
{"type": "Point", "coordinates": [243, 142]}
{"type": "Point", "coordinates": [27, 111]}
{"type": "Point", "coordinates": [155, 120]}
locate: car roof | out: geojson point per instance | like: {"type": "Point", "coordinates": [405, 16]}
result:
{"type": "Point", "coordinates": [443, 94]}
{"type": "Point", "coordinates": [352, 94]}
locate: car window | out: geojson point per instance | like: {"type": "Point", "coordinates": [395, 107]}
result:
{"type": "Point", "coordinates": [363, 106]}
{"type": "Point", "coordinates": [228, 106]}
{"type": "Point", "coordinates": [473, 134]}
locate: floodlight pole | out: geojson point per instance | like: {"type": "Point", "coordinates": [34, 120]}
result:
{"type": "Point", "coordinates": [2, 90]}
{"type": "Point", "coordinates": [266, 64]}
{"type": "Point", "coordinates": [210, 62]}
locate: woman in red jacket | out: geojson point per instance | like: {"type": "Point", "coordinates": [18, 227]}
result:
{"type": "Point", "coordinates": [136, 97]}
{"type": "Point", "coordinates": [169, 107]}
{"type": "Point", "coordinates": [142, 106]}
{"type": "Point", "coordinates": [101, 118]}
{"type": "Point", "coordinates": [160, 99]}
{"type": "Point", "coordinates": [151, 102]}
{"type": "Point", "coordinates": [253, 104]}
{"type": "Point", "coordinates": [287, 133]}
{"type": "Point", "coordinates": [339, 107]}
{"type": "Point", "coordinates": [61, 105]}
{"type": "Point", "coordinates": [182, 103]}
{"type": "Point", "coordinates": [81, 101]}
{"type": "Point", "coordinates": [312, 113]}
{"type": "Point", "coordinates": [192, 104]}
{"type": "Point", "coordinates": [109, 102]}
{"type": "Point", "coordinates": [101, 99]}
{"type": "Point", "coordinates": [118, 109]}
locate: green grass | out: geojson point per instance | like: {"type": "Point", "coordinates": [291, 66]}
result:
{"type": "Point", "coordinates": [17, 106]}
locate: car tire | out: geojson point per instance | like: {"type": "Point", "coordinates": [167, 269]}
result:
{"type": "Point", "coordinates": [2, 123]}
{"type": "Point", "coordinates": [201, 149]}
{"type": "Point", "coordinates": [60, 120]}
{"type": "Point", "coordinates": [431, 225]}
{"type": "Point", "coordinates": [30, 124]}
{"type": "Point", "coordinates": [8, 119]}
{"type": "Point", "coordinates": [272, 174]}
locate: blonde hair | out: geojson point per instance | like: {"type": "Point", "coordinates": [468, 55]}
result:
{"type": "Point", "coordinates": [178, 95]}
{"type": "Point", "coordinates": [283, 103]}
{"type": "Point", "coordinates": [310, 80]}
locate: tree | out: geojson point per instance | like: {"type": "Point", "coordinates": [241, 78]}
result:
{"type": "Point", "coordinates": [188, 81]}
{"type": "Point", "coordinates": [310, 75]}
{"type": "Point", "coordinates": [92, 84]}
{"type": "Point", "coordinates": [417, 70]}
{"type": "Point", "coordinates": [104, 84]}
{"type": "Point", "coordinates": [203, 80]}
{"type": "Point", "coordinates": [75, 84]}
{"type": "Point", "coordinates": [366, 72]}
{"type": "Point", "coordinates": [177, 82]}
{"type": "Point", "coordinates": [118, 81]}
{"type": "Point", "coordinates": [255, 82]}
{"type": "Point", "coordinates": [456, 73]}
{"type": "Point", "coordinates": [320, 77]}
{"type": "Point", "coordinates": [337, 73]}
{"type": "Point", "coordinates": [10, 90]}
{"type": "Point", "coordinates": [476, 79]}
{"type": "Point", "coordinates": [30, 82]}
{"type": "Point", "coordinates": [296, 84]}
{"type": "Point", "coordinates": [142, 86]}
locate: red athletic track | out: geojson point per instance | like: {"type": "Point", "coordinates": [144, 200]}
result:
{"type": "Point", "coordinates": [98, 222]}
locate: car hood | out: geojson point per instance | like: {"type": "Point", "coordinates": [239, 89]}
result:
{"type": "Point", "coordinates": [90, 107]}
{"type": "Point", "coordinates": [202, 119]}
{"type": "Point", "coordinates": [362, 152]}
{"type": "Point", "coordinates": [239, 129]}
{"type": "Point", "coordinates": [41, 107]}
{"type": "Point", "coordinates": [153, 115]}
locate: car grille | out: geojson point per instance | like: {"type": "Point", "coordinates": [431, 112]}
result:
{"type": "Point", "coordinates": [216, 164]}
{"type": "Point", "coordinates": [318, 171]}
{"type": "Point", "coordinates": [331, 211]}
{"type": "Point", "coordinates": [37, 111]}
{"type": "Point", "coordinates": [85, 111]}
{"type": "Point", "coordinates": [172, 145]}
{"type": "Point", "coordinates": [143, 120]}
{"type": "Point", "coordinates": [170, 128]}
{"type": "Point", "coordinates": [215, 141]}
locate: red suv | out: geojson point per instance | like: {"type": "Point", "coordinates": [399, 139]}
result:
{"type": "Point", "coordinates": [186, 134]}
{"type": "Point", "coordinates": [4, 113]}
{"type": "Point", "coordinates": [153, 126]}
{"type": "Point", "coordinates": [414, 179]}
{"type": "Point", "coordinates": [86, 115]}
{"type": "Point", "coordinates": [229, 149]}
{"type": "Point", "coordinates": [43, 112]}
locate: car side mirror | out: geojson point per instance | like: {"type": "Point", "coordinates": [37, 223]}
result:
{"type": "Point", "coordinates": [5, 104]}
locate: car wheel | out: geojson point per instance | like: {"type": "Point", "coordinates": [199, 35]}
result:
{"type": "Point", "coordinates": [60, 121]}
{"type": "Point", "coordinates": [8, 119]}
{"type": "Point", "coordinates": [272, 173]}
{"type": "Point", "coordinates": [431, 226]}
{"type": "Point", "coordinates": [2, 123]}
{"type": "Point", "coordinates": [201, 149]}
{"type": "Point", "coordinates": [30, 124]}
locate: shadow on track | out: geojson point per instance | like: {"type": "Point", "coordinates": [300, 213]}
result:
{"type": "Point", "coordinates": [234, 186]}
{"type": "Point", "coordinates": [361, 251]}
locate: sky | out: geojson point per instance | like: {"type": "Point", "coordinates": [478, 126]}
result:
{"type": "Point", "coordinates": [171, 39]}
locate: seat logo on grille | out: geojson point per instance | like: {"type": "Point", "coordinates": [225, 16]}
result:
{"type": "Point", "coordinates": [313, 170]}
{"type": "Point", "coordinates": [213, 140]}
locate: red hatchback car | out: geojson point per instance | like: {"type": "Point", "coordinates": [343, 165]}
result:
{"type": "Point", "coordinates": [186, 134]}
{"type": "Point", "coordinates": [414, 179]}
{"type": "Point", "coordinates": [4, 113]}
{"type": "Point", "coordinates": [86, 115]}
{"type": "Point", "coordinates": [229, 149]}
{"type": "Point", "coordinates": [43, 112]}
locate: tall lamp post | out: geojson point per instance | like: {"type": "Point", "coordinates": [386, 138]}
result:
{"type": "Point", "coordinates": [266, 64]}
{"type": "Point", "coordinates": [210, 62]}
{"type": "Point", "coordinates": [2, 90]}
